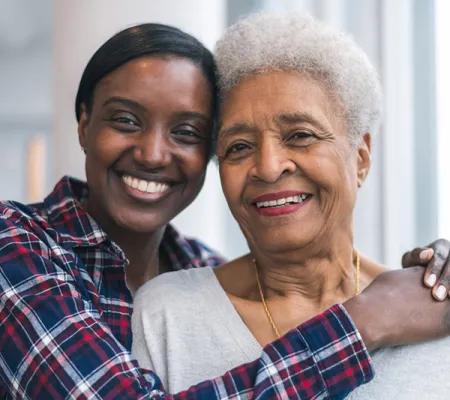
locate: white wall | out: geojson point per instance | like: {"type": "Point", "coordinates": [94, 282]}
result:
{"type": "Point", "coordinates": [25, 82]}
{"type": "Point", "coordinates": [443, 119]}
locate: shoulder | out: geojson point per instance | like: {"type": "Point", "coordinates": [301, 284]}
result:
{"type": "Point", "coordinates": [400, 372]}
{"type": "Point", "coordinates": [21, 224]}
{"type": "Point", "coordinates": [13, 213]}
{"type": "Point", "coordinates": [174, 290]}
{"type": "Point", "coordinates": [29, 252]}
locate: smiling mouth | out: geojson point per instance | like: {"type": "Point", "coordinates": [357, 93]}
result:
{"type": "Point", "coordinates": [144, 186]}
{"type": "Point", "coordinates": [283, 202]}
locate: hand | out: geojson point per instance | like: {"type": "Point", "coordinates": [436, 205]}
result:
{"type": "Point", "coordinates": [436, 257]}
{"type": "Point", "coordinates": [397, 309]}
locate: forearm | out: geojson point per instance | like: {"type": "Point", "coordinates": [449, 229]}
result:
{"type": "Point", "coordinates": [323, 357]}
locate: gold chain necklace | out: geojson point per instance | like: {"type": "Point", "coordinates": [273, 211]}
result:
{"type": "Point", "coordinates": [266, 308]}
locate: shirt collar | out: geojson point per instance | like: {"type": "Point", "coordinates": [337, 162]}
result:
{"type": "Point", "coordinates": [76, 228]}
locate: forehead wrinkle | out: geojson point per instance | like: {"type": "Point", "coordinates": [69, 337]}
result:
{"type": "Point", "coordinates": [234, 129]}
{"type": "Point", "coordinates": [289, 118]}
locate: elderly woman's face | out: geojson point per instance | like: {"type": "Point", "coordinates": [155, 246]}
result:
{"type": "Point", "coordinates": [288, 170]}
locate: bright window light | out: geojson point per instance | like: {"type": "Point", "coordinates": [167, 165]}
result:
{"type": "Point", "coordinates": [442, 12]}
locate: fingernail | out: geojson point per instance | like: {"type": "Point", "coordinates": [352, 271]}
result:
{"type": "Point", "coordinates": [431, 280]}
{"type": "Point", "coordinates": [441, 292]}
{"type": "Point", "coordinates": [425, 254]}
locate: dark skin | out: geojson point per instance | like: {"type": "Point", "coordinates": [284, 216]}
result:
{"type": "Point", "coordinates": [437, 274]}
{"type": "Point", "coordinates": [150, 122]}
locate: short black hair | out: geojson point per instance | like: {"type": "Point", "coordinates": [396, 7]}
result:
{"type": "Point", "coordinates": [143, 40]}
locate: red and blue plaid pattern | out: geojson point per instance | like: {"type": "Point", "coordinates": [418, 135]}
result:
{"type": "Point", "coordinates": [65, 314]}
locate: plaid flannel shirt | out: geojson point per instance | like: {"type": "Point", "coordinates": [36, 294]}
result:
{"type": "Point", "coordinates": [65, 314]}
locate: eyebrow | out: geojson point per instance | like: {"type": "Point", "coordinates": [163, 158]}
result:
{"type": "Point", "coordinates": [238, 127]}
{"type": "Point", "coordinates": [134, 104]}
{"type": "Point", "coordinates": [287, 118]}
{"type": "Point", "coordinates": [123, 100]}
{"type": "Point", "coordinates": [192, 115]}
{"type": "Point", "coordinates": [284, 118]}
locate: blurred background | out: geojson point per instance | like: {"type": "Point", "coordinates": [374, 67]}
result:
{"type": "Point", "coordinates": [45, 45]}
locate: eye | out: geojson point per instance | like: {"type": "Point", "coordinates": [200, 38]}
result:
{"type": "Point", "coordinates": [187, 134]}
{"type": "Point", "coordinates": [237, 151]}
{"type": "Point", "coordinates": [301, 138]}
{"type": "Point", "coordinates": [124, 122]}
{"type": "Point", "coordinates": [301, 135]}
{"type": "Point", "coordinates": [238, 147]}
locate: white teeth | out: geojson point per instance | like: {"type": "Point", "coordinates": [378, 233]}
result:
{"type": "Point", "coordinates": [142, 186]}
{"type": "Point", "coordinates": [145, 186]}
{"type": "Point", "coordinates": [283, 201]}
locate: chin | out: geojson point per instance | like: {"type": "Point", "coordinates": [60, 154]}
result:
{"type": "Point", "coordinates": [139, 223]}
{"type": "Point", "coordinates": [285, 239]}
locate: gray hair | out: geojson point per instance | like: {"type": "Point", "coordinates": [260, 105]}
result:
{"type": "Point", "coordinates": [268, 42]}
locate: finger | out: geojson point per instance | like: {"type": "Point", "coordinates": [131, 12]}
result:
{"type": "Point", "coordinates": [441, 288]}
{"type": "Point", "coordinates": [441, 247]}
{"type": "Point", "coordinates": [434, 270]}
{"type": "Point", "coordinates": [419, 256]}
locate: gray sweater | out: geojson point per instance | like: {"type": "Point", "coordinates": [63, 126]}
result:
{"type": "Point", "coordinates": [186, 329]}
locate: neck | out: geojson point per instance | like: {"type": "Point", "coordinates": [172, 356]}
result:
{"type": "Point", "coordinates": [321, 277]}
{"type": "Point", "coordinates": [143, 254]}
{"type": "Point", "coordinates": [140, 248]}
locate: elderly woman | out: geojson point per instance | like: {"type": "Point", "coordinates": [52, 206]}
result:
{"type": "Point", "coordinates": [298, 104]}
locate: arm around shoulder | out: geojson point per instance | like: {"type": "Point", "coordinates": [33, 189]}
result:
{"type": "Point", "coordinates": [54, 343]}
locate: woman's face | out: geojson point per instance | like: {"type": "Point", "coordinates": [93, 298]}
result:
{"type": "Point", "coordinates": [147, 139]}
{"type": "Point", "coordinates": [288, 170]}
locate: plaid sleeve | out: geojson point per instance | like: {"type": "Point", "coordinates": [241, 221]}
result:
{"type": "Point", "coordinates": [324, 358]}
{"type": "Point", "coordinates": [54, 344]}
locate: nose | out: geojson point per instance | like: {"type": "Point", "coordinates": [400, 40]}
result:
{"type": "Point", "coordinates": [152, 149]}
{"type": "Point", "coordinates": [271, 161]}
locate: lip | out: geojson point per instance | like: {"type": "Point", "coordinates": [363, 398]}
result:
{"type": "Point", "coordinates": [277, 195]}
{"type": "Point", "coordinates": [276, 211]}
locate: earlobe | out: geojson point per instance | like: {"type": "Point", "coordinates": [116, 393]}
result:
{"type": "Point", "coordinates": [364, 158]}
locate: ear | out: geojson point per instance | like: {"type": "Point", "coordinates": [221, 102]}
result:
{"type": "Point", "coordinates": [83, 128]}
{"type": "Point", "coordinates": [364, 155]}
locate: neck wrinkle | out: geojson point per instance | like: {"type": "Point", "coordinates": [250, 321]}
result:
{"type": "Point", "coordinates": [319, 278]}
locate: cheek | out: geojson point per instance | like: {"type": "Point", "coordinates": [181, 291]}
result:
{"type": "Point", "coordinates": [339, 179]}
{"type": "Point", "coordinates": [333, 169]}
{"type": "Point", "coordinates": [193, 162]}
{"type": "Point", "coordinates": [105, 146]}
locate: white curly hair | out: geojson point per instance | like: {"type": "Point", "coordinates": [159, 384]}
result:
{"type": "Point", "coordinates": [296, 42]}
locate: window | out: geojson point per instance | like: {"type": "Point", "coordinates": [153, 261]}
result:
{"type": "Point", "coordinates": [442, 32]}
